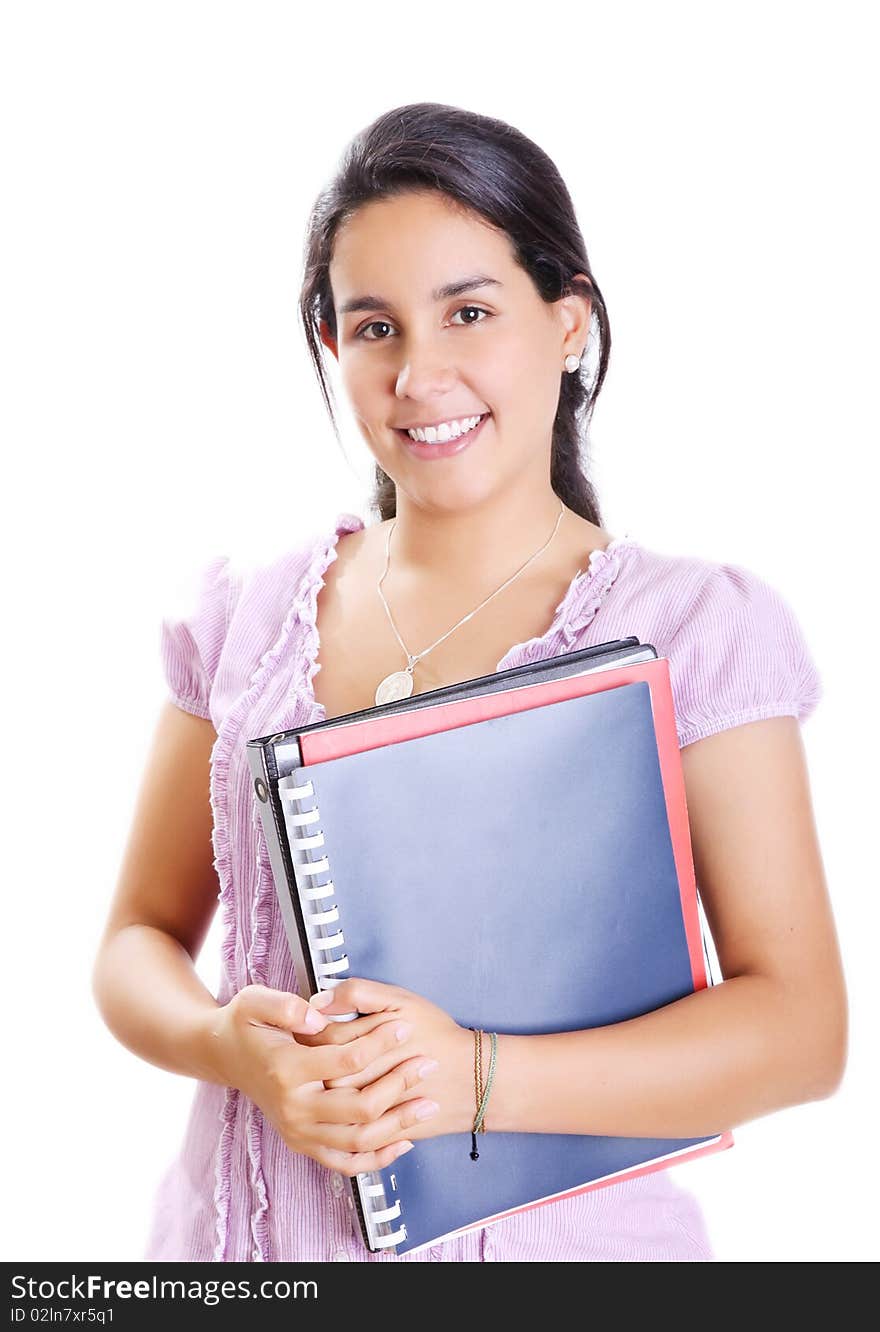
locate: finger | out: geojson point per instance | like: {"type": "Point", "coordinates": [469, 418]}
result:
{"type": "Point", "coordinates": [357, 995]}
{"type": "Point", "coordinates": [369, 1075]}
{"type": "Point", "coordinates": [277, 1008]}
{"type": "Point", "coordinates": [378, 1077]}
{"type": "Point", "coordinates": [356, 1163]}
{"type": "Point", "coordinates": [373, 1072]}
{"type": "Point", "coordinates": [352, 1057]}
{"type": "Point", "coordinates": [372, 1136]}
{"type": "Point", "coordinates": [355, 1105]}
{"type": "Point", "coordinates": [339, 1033]}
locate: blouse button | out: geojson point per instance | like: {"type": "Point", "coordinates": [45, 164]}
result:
{"type": "Point", "coordinates": [337, 1183]}
{"type": "Point", "coordinates": [340, 1256]}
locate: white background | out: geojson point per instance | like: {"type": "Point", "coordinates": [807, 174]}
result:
{"type": "Point", "coordinates": [158, 164]}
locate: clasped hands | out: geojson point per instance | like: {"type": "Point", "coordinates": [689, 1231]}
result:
{"type": "Point", "coordinates": [429, 1044]}
{"type": "Point", "coordinates": [348, 1094]}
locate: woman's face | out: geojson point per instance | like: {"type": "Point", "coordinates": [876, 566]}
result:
{"type": "Point", "coordinates": [411, 355]}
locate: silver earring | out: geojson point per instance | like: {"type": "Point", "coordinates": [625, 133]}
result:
{"type": "Point", "coordinates": [572, 363]}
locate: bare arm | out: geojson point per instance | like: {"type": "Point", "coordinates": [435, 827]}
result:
{"type": "Point", "coordinates": [144, 979]}
{"type": "Point", "coordinates": [153, 1001]}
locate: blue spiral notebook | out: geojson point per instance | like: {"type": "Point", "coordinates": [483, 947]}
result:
{"type": "Point", "coordinates": [517, 851]}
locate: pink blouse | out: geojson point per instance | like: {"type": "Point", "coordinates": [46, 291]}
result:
{"type": "Point", "coordinates": [245, 658]}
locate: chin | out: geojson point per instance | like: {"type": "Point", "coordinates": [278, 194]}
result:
{"type": "Point", "coordinates": [455, 497]}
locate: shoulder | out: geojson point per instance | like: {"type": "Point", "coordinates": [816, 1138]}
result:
{"type": "Point", "coordinates": [739, 654]}
{"type": "Point", "coordinates": [238, 616]}
{"type": "Point", "coordinates": [277, 593]}
{"type": "Point", "coordinates": [736, 649]}
{"type": "Point", "coordinates": [655, 587]}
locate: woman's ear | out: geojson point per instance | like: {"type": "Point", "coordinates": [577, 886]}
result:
{"type": "Point", "coordinates": [328, 339]}
{"type": "Point", "coordinates": [576, 311]}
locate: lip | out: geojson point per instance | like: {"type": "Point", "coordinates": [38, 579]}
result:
{"type": "Point", "coordinates": [447, 449]}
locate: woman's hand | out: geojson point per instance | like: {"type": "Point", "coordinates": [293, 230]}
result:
{"type": "Point", "coordinates": [434, 1034]}
{"type": "Point", "coordinates": [260, 1041]}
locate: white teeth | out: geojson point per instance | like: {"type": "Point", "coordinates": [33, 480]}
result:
{"type": "Point", "coordinates": [448, 430]}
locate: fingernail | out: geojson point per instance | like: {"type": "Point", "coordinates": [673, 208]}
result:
{"type": "Point", "coordinates": [315, 1021]}
{"type": "Point", "coordinates": [321, 999]}
{"type": "Point", "coordinates": [403, 1031]}
{"type": "Point", "coordinates": [407, 1147]}
{"type": "Point", "coordinates": [427, 1109]}
{"type": "Point", "coordinates": [428, 1067]}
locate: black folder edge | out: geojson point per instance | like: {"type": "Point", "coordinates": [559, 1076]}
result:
{"type": "Point", "coordinates": [613, 652]}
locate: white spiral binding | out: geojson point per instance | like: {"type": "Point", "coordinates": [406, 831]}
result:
{"type": "Point", "coordinates": [383, 1215]}
{"type": "Point", "coordinates": [330, 971]}
{"type": "Point", "coordinates": [320, 943]}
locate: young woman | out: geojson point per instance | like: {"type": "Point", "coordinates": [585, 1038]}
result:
{"type": "Point", "coordinates": [447, 276]}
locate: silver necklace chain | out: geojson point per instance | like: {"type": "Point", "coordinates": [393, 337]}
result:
{"type": "Point", "coordinates": [400, 683]}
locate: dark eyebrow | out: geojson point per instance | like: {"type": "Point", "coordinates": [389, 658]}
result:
{"type": "Point", "coordinates": [439, 294]}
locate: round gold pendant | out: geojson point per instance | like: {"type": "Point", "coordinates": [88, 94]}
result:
{"type": "Point", "coordinates": [397, 685]}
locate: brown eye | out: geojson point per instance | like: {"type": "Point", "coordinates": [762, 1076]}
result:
{"type": "Point", "coordinates": [478, 311]}
{"type": "Point", "coordinates": [376, 323]}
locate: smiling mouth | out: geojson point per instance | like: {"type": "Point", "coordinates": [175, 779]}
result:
{"type": "Point", "coordinates": [452, 439]}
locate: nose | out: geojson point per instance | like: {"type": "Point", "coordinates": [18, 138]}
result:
{"type": "Point", "coordinates": [424, 376]}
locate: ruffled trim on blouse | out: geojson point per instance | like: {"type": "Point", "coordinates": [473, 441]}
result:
{"type": "Point", "coordinates": [585, 595]}
{"type": "Point", "coordinates": [589, 588]}
{"type": "Point", "coordinates": [306, 605]}
{"type": "Point", "coordinates": [303, 609]}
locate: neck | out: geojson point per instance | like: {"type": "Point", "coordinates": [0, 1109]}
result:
{"type": "Point", "coordinates": [484, 544]}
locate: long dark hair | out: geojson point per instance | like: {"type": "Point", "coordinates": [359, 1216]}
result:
{"type": "Point", "coordinates": [494, 170]}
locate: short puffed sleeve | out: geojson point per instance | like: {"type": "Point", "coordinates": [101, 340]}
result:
{"type": "Point", "coordinates": [191, 645]}
{"type": "Point", "coordinates": [739, 655]}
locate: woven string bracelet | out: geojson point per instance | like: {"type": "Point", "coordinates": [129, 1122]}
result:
{"type": "Point", "coordinates": [481, 1095]}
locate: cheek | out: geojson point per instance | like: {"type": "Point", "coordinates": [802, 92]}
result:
{"type": "Point", "coordinates": [370, 394]}
{"type": "Point", "coordinates": [360, 384]}
{"type": "Point", "coordinates": [513, 376]}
